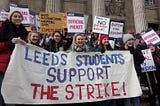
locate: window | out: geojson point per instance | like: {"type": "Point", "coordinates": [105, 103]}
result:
{"type": "Point", "coordinates": [149, 2]}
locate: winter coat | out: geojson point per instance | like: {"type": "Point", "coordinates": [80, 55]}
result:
{"type": "Point", "coordinates": [138, 59]}
{"type": "Point", "coordinates": [7, 32]}
{"type": "Point", "coordinates": [53, 47]}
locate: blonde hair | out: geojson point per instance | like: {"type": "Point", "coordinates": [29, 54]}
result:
{"type": "Point", "coordinates": [29, 36]}
{"type": "Point", "coordinates": [74, 41]}
{"type": "Point", "coordinates": [126, 45]}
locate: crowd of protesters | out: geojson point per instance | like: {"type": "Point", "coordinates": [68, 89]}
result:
{"type": "Point", "coordinates": [14, 32]}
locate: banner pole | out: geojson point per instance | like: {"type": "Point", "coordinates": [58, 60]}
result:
{"type": "Point", "coordinates": [149, 83]}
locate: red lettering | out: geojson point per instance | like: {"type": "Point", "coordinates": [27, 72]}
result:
{"type": "Point", "coordinates": [80, 90]}
{"type": "Point", "coordinates": [114, 89]}
{"type": "Point", "coordinates": [40, 89]}
{"type": "Point", "coordinates": [90, 90]}
{"type": "Point", "coordinates": [152, 40]}
{"type": "Point", "coordinates": [35, 89]}
{"type": "Point", "coordinates": [53, 92]}
{"type": "Point", "coordinates": [45, 92]}
{"type": "Point", "coordinates": [49, 30]}
{"type": "Point", "coordinates": [149, 36]}
{"type": "Point", "coordinates": [76, 27]}
{"type": "Point", "coordinates": [75, 21]}
{"type": "Point", "coordinates": [69, 91]}
{"type": "Point", "coordinates": [106, 89]}
{"type": "Point", "coordinates": [124, 90]}
{"type": "Point", "coordinates": [99, 91]}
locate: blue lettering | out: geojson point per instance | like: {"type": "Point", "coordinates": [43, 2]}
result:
{"type": "Point", "coordinates": [63, 57]}
{"type": "Point", "coordinates": [55, 60]}
{"type": "Point", "coordinates": [26, 55]}
{"type": "Point", "coordinates": [99, 73]}
{"type": "Point", "coordinates": [102, 59]}
{"type": "Point", "coordinates": [45, 59]}
{"type": "Point", "coordinates": [109, 59]}
{"type": "Point", "coordinates": [61, 74]}
{"type": "Point", "coordinates": [90, 74]}
{"type": "Point", "coordinates": [53, 78]}
{"type": "Point", "coordinates": [81, 73]}
{"type": "Point", "coordinates": [78, 60]}
{"type": "Point", "coordinates": [92, 60]}
{"type": "Point", "coordinates": [114, 57]}
{"type": "Point", "coordinates": [85, 59]}
{"type": "Point", "coordinates": [36, 56]}
{"type": "Point", "coordinates": [106, 69]}
{"type": "Point", "coordinates": [97, 59]}
{"type": "Point", "coordinates": [122, 61]}
{"type": "Point", "coordinates": [72, 73]}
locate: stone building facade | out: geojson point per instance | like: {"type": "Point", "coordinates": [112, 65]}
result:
{"type": "Point", "coordinates": [137, 15]}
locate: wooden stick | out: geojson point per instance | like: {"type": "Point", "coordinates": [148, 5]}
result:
{"type": "Point", "coordinates": [149, 83]}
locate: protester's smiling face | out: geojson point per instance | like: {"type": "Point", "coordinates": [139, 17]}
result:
{"type": "Point", "coordinates": [16, 18]}
{"type": "Point", "coordinates": [152, 48]}
{"type": "Point", "coordinates": [34, 37]}
{"type": "Point", "coordinates": [57, 37]}
{"type": "Point", "coordinates": [130, 43]}
{"type": "Point", "coordinates": [105, 41]}
{"type": "Point", "coordinates": [80, 40]}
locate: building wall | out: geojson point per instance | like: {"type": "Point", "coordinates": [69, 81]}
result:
{"type": "Point", "coordinates": [117, 10]}
{"type": "Point", "coordinates": [34, 5]}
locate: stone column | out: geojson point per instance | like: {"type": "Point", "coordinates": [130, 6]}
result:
{"type": "Point", "coordinates": [4, 5]}
{"type": "Point", "coordinates": [98, 8]}
{"type": "Point", "coordinates": [139, 16]}
{"type": "Point", "coordinates": [53, 5]}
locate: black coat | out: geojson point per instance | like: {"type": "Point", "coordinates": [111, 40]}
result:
{"type": "Point", "coordinates": [9, 31]}
{"type": "Point", "coordinates": [51, 46]}
{"type": "Point", "coordinates": [138, 59]}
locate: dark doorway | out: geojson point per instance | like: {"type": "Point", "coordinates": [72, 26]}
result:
{"type": "Point", "coordinates": [153, 26]}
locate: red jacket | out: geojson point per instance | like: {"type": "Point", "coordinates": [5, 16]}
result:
{"type": "Point", "coordinates": [7, 33]}
{"type": "Point", "coordinates": [5, 54]}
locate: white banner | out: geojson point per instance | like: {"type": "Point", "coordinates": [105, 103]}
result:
{"type": "Point", "coordinates": [116, 29]}
{"type": "Point", "coordinates": [36, 76]}
{"type": "Point", "coordinates": [148, 64]}
{"type": "Point", "coordinates": [101, 25]}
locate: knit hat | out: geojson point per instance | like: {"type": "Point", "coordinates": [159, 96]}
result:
{"type": "Point", "coordinates": [12, 12]}
{"type": "Point", "coordinates": [127, 37]}
{"type": "Point", "coordinates": [102, 36]}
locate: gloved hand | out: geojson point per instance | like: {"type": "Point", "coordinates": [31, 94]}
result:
{"type": "Point", "coordinates": [132, 50]}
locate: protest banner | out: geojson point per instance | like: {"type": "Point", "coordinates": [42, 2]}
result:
{"type": "Point", "coordinates": [50, 22]}
{"type": "Point", "coordinates": [148, 64]}
{"type": "Point", "coordinates": [151, 37]}
{"type": "Point", "coordinates": [36, 76]}
{"type": "Point", "coordinates": [75, 22]}
{"type": "Point", "coordinates": [24, 11]}
{"type": "Point", "coordinates": [101, 25]}
{"type": "Point", "coordinates": [116, 29]}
